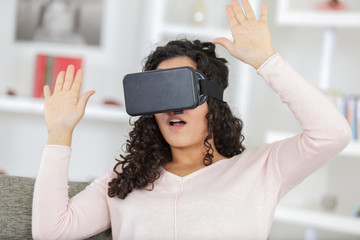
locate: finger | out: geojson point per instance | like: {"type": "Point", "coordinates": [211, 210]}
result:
{"type": "Point", "coordinates": [263, 12]}
{"type": "Point", "coordinates": [232, 20]}
{"type": "Point", "coordinates": [240, 16]}
{"type": "Point", "coordinates": [78, 80]}
{"type": "Point", "coordinates": [226, 43]}
{"type": "Point", "coordinates": [248, 10]}
{"type": "Point", "coordinates": [69, 77]}
{"type": "Point", "coordinates": [46, 91]}
{"type": "Point", "coordinates": [84, 100]}
{"type": "Point", "coordinates": [59, 82]}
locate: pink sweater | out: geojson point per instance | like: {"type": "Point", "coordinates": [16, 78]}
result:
{"type": "Point", "coordinates": [230, 199]}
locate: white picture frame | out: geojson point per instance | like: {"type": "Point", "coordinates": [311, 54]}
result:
{"type": "Point", "coordinates": [72, 22]}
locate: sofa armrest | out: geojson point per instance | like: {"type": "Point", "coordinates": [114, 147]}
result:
{"type": "Point", "coordinates": [16, 195]}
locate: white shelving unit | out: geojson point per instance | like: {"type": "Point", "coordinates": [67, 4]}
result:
{"type": "Point", "coordinates": [318, 219]}
{"type": "Point", "coordinates": [35, 106]}
{"type": "Point", "coordinates": [328, 21]}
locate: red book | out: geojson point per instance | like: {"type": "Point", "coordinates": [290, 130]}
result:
{"type": "Point", "coordinates": [40, 75]}
{"type": "Point", "coordinates": [60, 64]}
{"type": "Point", "coordinates": [47, 69]}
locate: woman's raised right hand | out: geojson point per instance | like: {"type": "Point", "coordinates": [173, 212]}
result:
{"type": "Point", "coordinates": [64, 109]}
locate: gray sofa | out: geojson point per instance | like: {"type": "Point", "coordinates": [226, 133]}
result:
{"type": "Point", "coordinates": [16, 195]}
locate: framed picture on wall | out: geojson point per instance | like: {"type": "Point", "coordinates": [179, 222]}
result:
{"type": "Point", "coordinates": [77, 22]}
{"type": "Point", "coordinates": [319, 13]}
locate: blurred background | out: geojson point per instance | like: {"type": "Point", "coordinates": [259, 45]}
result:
{"type": "Point", "coordinates": [110, 38]}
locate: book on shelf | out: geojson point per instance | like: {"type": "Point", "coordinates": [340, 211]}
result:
{"type": "Point", "coordinates": [349, 105]}
{"type": "Point", "coordinates": [357, 211]}
{"type": "Point", "coordinates": [48, 67]}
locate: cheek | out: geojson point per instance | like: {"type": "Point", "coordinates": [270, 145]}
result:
{"type": "Point", "coordinates": [203, 126]}
{"type": "Point", "coordinates": [200, 125]}
{"type": "Point", "coordinates": [159, 120]}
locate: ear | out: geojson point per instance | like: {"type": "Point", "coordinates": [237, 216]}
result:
{"type": "Point", "coordinates": [202, 99]}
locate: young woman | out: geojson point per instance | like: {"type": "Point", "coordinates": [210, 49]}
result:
{"type": "Point", "coordinates": [188, 176]}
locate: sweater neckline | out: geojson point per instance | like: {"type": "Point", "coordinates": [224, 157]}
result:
{"type": "Point", "coordinates": [195, 173]}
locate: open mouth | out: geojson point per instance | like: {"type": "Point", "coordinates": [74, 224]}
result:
{"type": "Point", "coordinates": [176, 122]}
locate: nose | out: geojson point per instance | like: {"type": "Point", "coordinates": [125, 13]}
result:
{"type": "Point", "coordinates": [178, 112]}
{"type": "Point", "coordinates": [172, 112]}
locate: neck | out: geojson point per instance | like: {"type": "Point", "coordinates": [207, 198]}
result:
{"type": "Point", "coordinates": [193, 155]}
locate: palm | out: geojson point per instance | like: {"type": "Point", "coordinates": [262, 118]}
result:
{"type": "Point", "coordinates": [251, 38]}
{"type": "Point", "coordinates": [61, 109]}
{"type": "Point", "coordinates": [248, 39]}
{"type": "Point", "coordinates": [64, 109]}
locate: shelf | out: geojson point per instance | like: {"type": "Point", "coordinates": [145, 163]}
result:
{"type": "Point", "coordinates": [316, 18]}
{"type": "Point", "coordinates": [320, 19]}
{"type": "Point", "coordinates": [176, 30]}
{"type": "Point", "coordinates": [352, 150]}
{"type": "Point", "coordinates": [318, 219]}
{"type": "Point", "coordinates": [35, 106]}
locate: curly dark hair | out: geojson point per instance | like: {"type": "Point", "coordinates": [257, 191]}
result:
{"type": "Point", "coordinates": [146, 148]}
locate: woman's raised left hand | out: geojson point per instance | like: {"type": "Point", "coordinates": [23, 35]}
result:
{"type": "Point", "coordinates": [252, 42]}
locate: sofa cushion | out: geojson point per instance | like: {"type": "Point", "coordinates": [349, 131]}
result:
{"type": "Point", "coordinates": [16, 195]}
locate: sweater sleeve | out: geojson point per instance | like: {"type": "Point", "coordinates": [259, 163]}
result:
{"type": "Point", "coordinates": [54, 215]}
{"type": "Point", "coordinates": [325, 132]}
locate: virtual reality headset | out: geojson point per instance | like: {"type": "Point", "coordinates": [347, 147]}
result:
{"type": "Point", "coordinates": [167, 90]}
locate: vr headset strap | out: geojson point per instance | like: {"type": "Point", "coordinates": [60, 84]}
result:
{"type": "Point", "coordinates": [211, 89]}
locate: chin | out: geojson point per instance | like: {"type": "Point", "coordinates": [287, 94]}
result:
{"type": "Point", "coordinates": [179, 143]}
{"type": "Point", "coordinates": [184, 142]}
